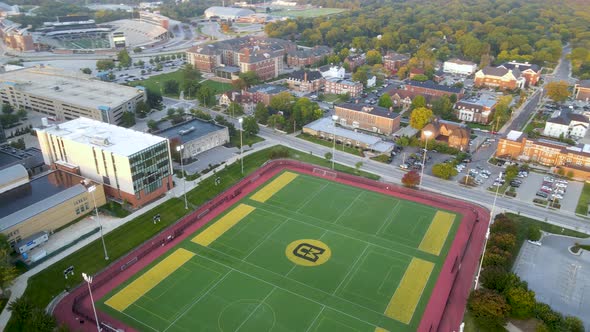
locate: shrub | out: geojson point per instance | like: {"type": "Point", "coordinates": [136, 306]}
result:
{"type": "Point", "coordinates": [534, 233]}
{"type": "Point", "coordinates": [278, 152]}
{"type": "Point", "coordinates": [503, 224]}
{"type": "Point", "coordinates": [504, 241]}
{"type": "Point", "coordinates": [488, 308]}
{"type": "Point", "coordinates": [522, 302]}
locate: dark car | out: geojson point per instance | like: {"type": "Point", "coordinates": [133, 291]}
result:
{"type": "Point", "coordinates": [542, 194]}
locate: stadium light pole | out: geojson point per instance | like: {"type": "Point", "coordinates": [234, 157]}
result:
{"type": "Point", "coordinates": [91, 190]}
{"type": "Point", "coordinates": [427, 135]}
{"type": "Point", "coordinates": [334, 119]}
{"type": "Point", "coordinates": [485, 245]}
{"type": "Point", "coordinates": [241, 121]}
{"type": "Point", "coordinates": [88, 280]}
{"type": "Point", "coordinates": [180, 149]}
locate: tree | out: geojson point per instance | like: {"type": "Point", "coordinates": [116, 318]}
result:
{"type": "Point", "coordinates": [504, 241]}
{"type": "Point", "coordinates": [86, 70]}
{"type": "Point", "coordinates": [328, 156]}
{"type": "Point", "coordinates": [444, 170]}
{"type": "Point", "coordinates": [124, 58]}
{"type": "Point", "coordinates": [411, 179]}
{"type": "Point", "coordinates": [190, 73]}
{"type": "Point", "coordinates": [191, 88]}
{"type": "Point", "coordinates": [385, 101]}
{"type": "Point", "coordinates": [7, 270]}
{"type": "Point", "coordinates": [235, 109]}
{"type": "Point", "coordinates": [276, 121]}
{"type": "Point", "coordinates": [142, 109]}
{"type": "Point", "coordinates": [206, 95]}
{"type": "Point", "coordinates": [360, 76]}
{"type": "Point", "coordinates": [521, 301]}
{"type": "Point", "coordinates": [557, 91]}
{"type": "Point", "coordinates": [573, 324]}
{"type": "Point", "coordinates": [21, 113]}
{"type": "Point", "coordinates": [250, 78]}
{"type": "Point", "coordinates": [502, 112]}
{"type": "Point", "coordinates": [154, 99]}
{"type": "Point", "coordinates": [250, 126]}
{"type": "Point", "coordinates": [261, 113]}
{"type": "Point", "coordinates": [137, 50]}
{"type": "Point", "coordinates": [511, 172]}
{"type": "Point", "coordinates": [152, 125]}
{"type": "Point", "coordinates": [420, 117]}
{"type": "Point", "coordinates": [127, 119]}
{"type": "Point", "coordinates": [443, 107]}
{"type": "Point", "coordinates": [7, 109]}
{"type": "Point", "coordinates": [22, 310]}
{"type": "Point", "coordinates": [102, 65]}
{"type": "Point", "coordinates": [171, 87]}
{"type": "Point", "coordinates": [282, 102]}
{"type": "Point", "coordinates": [358, 166]}
{"type": "Point", "coordinates": [373, 57]}
{"type": "Point", "coordinates": [417, 102]}
{"type": "Point", "coordinates": [488, 308]}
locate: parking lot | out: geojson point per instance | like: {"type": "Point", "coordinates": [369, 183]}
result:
{"type": "Point", "coordinates": [533, 184]}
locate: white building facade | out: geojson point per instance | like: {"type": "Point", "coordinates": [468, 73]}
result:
{"type": "Point", "coordinates": [460, 67]}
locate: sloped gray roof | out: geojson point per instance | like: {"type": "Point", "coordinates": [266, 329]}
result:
{"type": "Point", "coordinates": [12, 173]}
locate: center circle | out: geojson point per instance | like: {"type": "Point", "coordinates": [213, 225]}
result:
{"type": "Point", "coordinates": [245, 312]}
{"type": "Point", "coordinates": [308, 252]}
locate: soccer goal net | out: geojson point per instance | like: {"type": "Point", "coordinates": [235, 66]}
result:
{"type": "Point", "coordinates": [324, 172]}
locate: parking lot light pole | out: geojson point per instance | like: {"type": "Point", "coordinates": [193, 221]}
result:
{"type": "Point", "coordinates": [334, 119]}
{"type": "Point", "coordinates": [427, 135]}
{"type": "Point", "coordinates": [88, 280]}
{"type": "Point", "coordinates": [487, 238]}
{"type": "Point", "coordinates": [91, 190]}
{"type": "Point", "coordinates": [180, 149]}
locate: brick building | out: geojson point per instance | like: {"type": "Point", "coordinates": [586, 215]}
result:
{"type": "Point", "coordinates": [478, 109]}
{"type": "Point", "coordinates": [262, 93]}
{"type": "Point", "coordinates": [355, 61]}
{"type": "Point", "coordinates": [517, 146]}
{"type": "Point", "coordinates": [453, 134]}
{"type": "Point", "coordinates": [394, 61]}
{"type": "Point", "coordinates": [530, 72]}
{"type": "Point", "coordinates": [305, 81]}
{"type": "Point", "coordinates": [370, 118]}
{"type": "Point", "coordinates": [307, 56]}
{"type": "Point", "coordinates": [499, 77]}
{"type": "Point", "coordinates": [429, 88]}
{"type": "Point", "coordinates": [339, 86]}
{"type": "Point", "coordinates": [265, 56]}
{"type": "Point", "coordinates": [14, 37]}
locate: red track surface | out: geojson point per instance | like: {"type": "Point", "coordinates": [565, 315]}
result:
{"type": "Point", "coordinates": [443, 312]}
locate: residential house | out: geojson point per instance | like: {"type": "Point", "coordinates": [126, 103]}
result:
{"type": "Point", "coordinates": [394, 61]}
{"type": "Point", "coordinates": [307, 56]}
{"type": "Point", "coordinates": [574, 159]}
{"type": "Point", "coordinates": [564, 123]}
{"type": "Point", "coordinates": [370, 118]}
{"type": "Point", "coordinates": [582, 90]}
{"type": "Point", "coordinates": [416, 72]}
{"type": "Point", "coordinates": [429, 88]}
{"type": "Point", "coordinates": [530, 72]}
{"type": "Point", "coordinates": [305, 81]}
{"type": "Point", "coordinates": [371, 81]}
{"type": "Point", "coordinates": [331, 71]}
{"type": "Point", "coordinates": [340, 86]}
{"type": "Point", "coordinates": [454, 134]}
{"type": "Point", "coordinates": [477, 109]}
{"type": "Point", "coordinates": [229, 97]}
{"type": "Point", "coordinates": [403, 98]}
{"type": "Point", "coordinates": [461, 67]}
{"type": "Point", "coordinates": [499, 77]}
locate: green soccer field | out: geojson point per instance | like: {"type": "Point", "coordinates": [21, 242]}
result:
{"type": "Point", "coordinates": [300, 253]}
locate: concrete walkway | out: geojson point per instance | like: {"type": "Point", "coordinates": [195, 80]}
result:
{"type": "Point", "coordinates": [109, 223]}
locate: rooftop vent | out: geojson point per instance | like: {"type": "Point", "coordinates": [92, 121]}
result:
{"type": "Point", "coordinates": [102, 141]}
{"type": "Point", "coordinates": [186, 131]}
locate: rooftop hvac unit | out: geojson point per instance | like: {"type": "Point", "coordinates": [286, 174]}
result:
{"type": "Point", "coordinates": [102, 141]}
{"type": "Point", "coordinates": [186, 131]}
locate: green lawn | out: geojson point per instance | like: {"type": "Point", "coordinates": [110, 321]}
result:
{"type": "Point", "coordinates": [314, 12]}
{"type": "Point", "coordinates": [584, 200]}
{"type": "Point", "coordinates": [261, 271]}
{"type": "Point", "coordinates": [219, 87]}
{"type": "Point", "coordinates": [50, 282]}
{"type": "Point", "coordinates": [246, 140]}
{"type": "Point", "coordinates": [156, 83]}
{"type": "Point", "coordinates": [339, 147]}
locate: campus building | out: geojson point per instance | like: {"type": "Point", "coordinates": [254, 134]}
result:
{"type": "Point", "coordinates": [45, 203]}
{"type": "Point", "coordinates": [453, 134]}
{"type": "Point", "coordinates": [582, 90]}
{"type": "Point", "coordinates": [461, 67]}
{"type": "Point", "coordinates": [478, 109]}
{"type": "Point", "coordinates": [196, 136]}
{"type": "Point", "coordinates": [339, 86]}
{"type": "Point", "coordinates": [499, 77]}
{"type": "Point", "coordinates": [133, 166]}
{"type": "Point", "coordinates": [67, 96]}
{"type": "Point", "coordinates": [566, 124]}
{"type": "Point", "coordinates": [517, 146]}
{"type": "Point", "coordinates": [261, 93]}
{"type": "Point", "coordinates": [369, 118]}
{"type": "Point", "coordinates": [394, 61]}
{"type": "Point", "coordinates": [305, 81]}
{"type": "Point", "coordinates": [307, 56]}
{"type": "Point", "coordinates": [429, 88]}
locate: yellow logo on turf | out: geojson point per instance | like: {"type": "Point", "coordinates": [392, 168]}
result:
{"type": "Point", "coordinates": [308, 252]}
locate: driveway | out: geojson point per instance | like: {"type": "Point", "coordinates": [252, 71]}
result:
{"type": "Point", "coordinates": [558, 278]}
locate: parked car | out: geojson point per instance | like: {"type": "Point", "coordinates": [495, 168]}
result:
{"type": "Point", "coordinates": [556, 196]}
{"type": "Point", "coordinates": [548, 179]}
{"type": "Point", "coordinates": [560, 185]}
{"type": "Point", "coordinates": [542, 194]}
{"type": "Point", "coordinates": [403, 166]}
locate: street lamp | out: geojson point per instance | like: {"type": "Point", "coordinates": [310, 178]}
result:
{"type": "Point", "coordinates": [180, 149]}
{"type": "Point", "coordinates": [487, 237]}
{"type": "Point", "coordinates": [427, 135]}
{"type": "Point", "coordinates": [334, 119]}
{"type": "Point", "coordinates": [88, 280]}
{"type": "Point", "coordinates": [91, 190]}
{"type": "Point", "coordinates": [241, 121]}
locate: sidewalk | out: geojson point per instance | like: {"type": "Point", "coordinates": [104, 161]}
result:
{"type": "Point", "coordinates": [109, 223]}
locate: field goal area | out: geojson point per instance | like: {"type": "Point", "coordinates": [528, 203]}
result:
{"type": "Point", "coordinates": [300, 253]}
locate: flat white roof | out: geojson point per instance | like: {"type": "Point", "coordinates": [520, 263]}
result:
{"type": "Point", "coordinates": [118, 140]}
{"type": "Point", "coordinates": [514, 135]}
{"type": "Point", "coordinates": [68, 87]}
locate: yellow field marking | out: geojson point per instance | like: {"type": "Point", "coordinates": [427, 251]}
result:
{"type": "Point", "coordinates": [272, 188]}
{"type": "Point", "coordinates": [437, 233]}
{"type": "Point", "coordinates": [402, 305]}
{"type": "Point", "coordinates": [380, 329]}
{"type": "Point", "coordinates": [222, 225]}
{"type": "Point", "coordinates": [149, 280]}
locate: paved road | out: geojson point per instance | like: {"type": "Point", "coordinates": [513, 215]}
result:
{"type": "Point", "coordinates": [524, 113]}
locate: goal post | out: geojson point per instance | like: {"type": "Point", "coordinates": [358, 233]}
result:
{"type": "Point", "coordinates": [323, 172]}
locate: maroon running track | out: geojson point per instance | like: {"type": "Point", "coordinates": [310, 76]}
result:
{"type": "Point", "coordinates": [443, 312]}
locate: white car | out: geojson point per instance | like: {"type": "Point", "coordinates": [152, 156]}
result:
{"type": "Point", "coordinates": [546, 188]}
{"type": "Point", "coordinates": [562, 181]}
{"type": "Point", "coordinates": [473, 170]}
{"type": "Point", "coordinates": [548, 179]}
{"type": "Point", "coordinates": [557, 196]}
{"type": "Point", "coordinates": [560, 185]}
